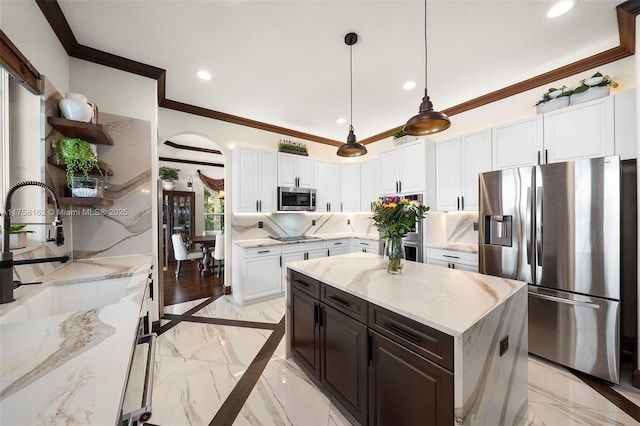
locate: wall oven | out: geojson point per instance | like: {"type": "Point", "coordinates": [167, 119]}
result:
{"type": "Point", "coordinates": [296, 199]}
{"type": "Point", "coordinates": [412, 250]}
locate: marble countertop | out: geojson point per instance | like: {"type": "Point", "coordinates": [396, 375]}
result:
{"type": "Point", "coordinates": [71, 368]}
{"type": "Point", "coordinates": [448, 300]}
{"type": "Point", "coordinates": [447, 245]}
{"type": "Point", "coordinates": [267, 242]}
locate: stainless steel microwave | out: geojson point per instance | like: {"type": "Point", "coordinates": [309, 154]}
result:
{"type": "Point", "coordinates": [296, 199]}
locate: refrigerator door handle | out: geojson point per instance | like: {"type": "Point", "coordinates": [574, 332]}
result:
{"type": "Point", "coordinates": [539, 225]}
{"type": "Point", "coordinates": [565, 301]}
{"type": "Point", "coordinates": [528, 226]}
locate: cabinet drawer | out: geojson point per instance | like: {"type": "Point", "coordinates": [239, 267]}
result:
{"type": "Point", "coordinates": [302, 247]}
{"type": "Point", "coordinates": [304, 283]}
{"type": "Point", "coordinates": [453, 256]}
{"type": "Point", "coordinates": [262, 251]}
{"type": "Point", "coordinates": [337, 243]}
{"type": "Point", "coordinates": [344, 302]}
{"type": "Point", "coordinates": [422, 339]}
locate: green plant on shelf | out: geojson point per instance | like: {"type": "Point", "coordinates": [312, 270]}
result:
{"type": "Point", "coordinates": [78, 158]}
{"type": "Point", "coordinates": [17, 229]}
{"type": "Point", "coordinates": [292, 146]}
{"type": "Point", "coordinates": [398, 134]}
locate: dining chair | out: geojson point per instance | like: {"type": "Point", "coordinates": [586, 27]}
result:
{"type": "Point", "coordinates": [181, 253]}
{"type": "Point", "coordinates": [218, 252]}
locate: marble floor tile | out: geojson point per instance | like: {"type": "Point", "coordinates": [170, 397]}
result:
{"type": "Point", "coordinates": [284, 395]}
{"type": "Point", "coordinates": [233, 345]}
{"type": "Point", "coordinates": [181, 308]}
{"type": "Point", "coordinates": [270, 311]}
{"type": "Point", "coordinates": [165, 366]}
{"type": "Point", "coordinates": [185, 339]}
{"type": "Point", "coordinates": [193, 393]}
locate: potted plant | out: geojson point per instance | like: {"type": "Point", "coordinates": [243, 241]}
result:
{"type": "Point", "coordinates": [168, 176]}
{"type": "Point", "coordinates": [292, 147]}
{"type": "Point", "coordinates": [17, 236]}
{"type": "Point", "coordinates": [553, 99]}
{"type": "Point", "coordinates": [597, 86]}
{"type": "Point", "coordinates": [400, 137]}
{"type": "Point", "coordinates": [79, 159]}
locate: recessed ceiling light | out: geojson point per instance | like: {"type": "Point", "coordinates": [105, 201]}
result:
{"type": "Point", "coordinates": [409, 85]}
{"type": "Point", "coordinates": [204, 75]}
{"type": "Point", "coordinates": [560, 8]}
{"type": "Point", "coordinates": [341, 121]}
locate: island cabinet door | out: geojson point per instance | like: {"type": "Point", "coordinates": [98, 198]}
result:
{"type": "Point", "coordinates": [344, 360]}
{"type": "Point", "coordinates": [305, 333]}
{"type": "Point", "coordinates": [405, 388]}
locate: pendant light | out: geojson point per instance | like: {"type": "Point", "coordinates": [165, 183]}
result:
{"type": "Point", "coordinates": [352, 148]}
{"type": "Point", "coordinates": [427, 121]}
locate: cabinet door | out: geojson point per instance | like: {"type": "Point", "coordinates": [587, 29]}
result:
{"type": "Point", "coordinates": [476, 158]}
{"type": "Point", "coordinates": [625, 125]}
{"type": "Point", "coordinates": [404, 386]}
{"type": "Point", "coordinates": [304, 171]}
{"type": "Point", "coordinates": [320, 171]}
{"type": "Point", "coordinates": [438, 262]}
{"type": "Point", "coordinates": [344, 360]}
{"type": "Point", "coordinates": [263, 277]}
{"type": "Point", "coordinates": [464, 267]}
{"type": "Point", "coordinates": [349, 187]}
{"type": "Point", "coordinates": [389, 177]}
{"type": "Point", "coordinates": [286, 170]}
{"type": "Point", "coordinates": [448, 174]}
{"type": "Point", "coordinates": [305, 331]}
{"type": "Point", "coordinates": [337, 251]}
{"type": "Point", "coordinates": [246, 188]}
{"type": "Point", "coordinates": [316, 254]}
{"type": "Point", "coordinates": [268, 182]}
{"type": "Point", "coordinates": [579, 131]}
{"type": "Point", "coordinates": [412, 168]}
{"type": "Point", "coordinates": [368, 184]}
{"type": "Point", "coordinates": [286, 258]}
{"type": "Point", "coordinates": [517, 144]}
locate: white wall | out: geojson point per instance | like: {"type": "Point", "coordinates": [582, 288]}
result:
{"type": "Point", "coordinates": [27, 28]}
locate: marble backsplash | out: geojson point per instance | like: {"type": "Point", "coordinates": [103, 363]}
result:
{"type": "Point", "coordinates": [459, 227]}
{"type": "Point", "coordinates": [246, 226]}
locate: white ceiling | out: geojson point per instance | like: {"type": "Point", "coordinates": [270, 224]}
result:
{"type": "Point", "coordinates": [285, 62]}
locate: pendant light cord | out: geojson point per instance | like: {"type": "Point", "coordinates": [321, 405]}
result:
{"type": "Point", "coordinates": [351, 84]}
{"type": "Point", "coordinates": [425, 44]}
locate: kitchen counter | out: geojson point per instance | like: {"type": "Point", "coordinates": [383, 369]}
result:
{"type": "Point", "coordinates": [268, 242]}
{"type": "Point", "coordinates": [479, 311]}
{"type": "Point", "coordinates": [447, 245]}
{"type": "Point", "coordinates": [71, 368]}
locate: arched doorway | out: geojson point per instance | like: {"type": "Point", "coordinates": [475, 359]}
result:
{"type": "Point", "coordinates": [192, 207]}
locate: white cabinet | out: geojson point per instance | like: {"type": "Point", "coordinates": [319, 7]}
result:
{"type": "Point", "coordinates": [626, 125]}
{"type": "Point", "coordinates": [518, 144]}
{"type": "Point", "coordinates": [460, 160]}
{"type": "Point", "coordinates": [580, 131]}
{"type": "Point", "coordinates": [295, 171]}
{"type": "Point", "coordinates": [403, 169]}
{"type": "Point", "coordinates": [254, 180]}
{"type": "Point", "coordinates": [257, 272]}
{"type": "Point", "coordinates": [337, 247]}
{"type": "Point", "coordinates": [349, 187]}
{"type": "Point", "coordinates": [453, 259]}
{"type": "Point", "coordinates": [300, 251]}
{"type": "Point", "coordinates": [327, 179]}
{"type": "Point", "coordinates": [362, 245]}
{"type": "Point", "coordinates": [368, 184]}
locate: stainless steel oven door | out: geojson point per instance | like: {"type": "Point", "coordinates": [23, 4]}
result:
{"type": "Point", "coordinates": [412, 250]}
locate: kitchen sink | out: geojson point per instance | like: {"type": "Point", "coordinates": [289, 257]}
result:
{"type": "Point", "coordinates": [63, 298]}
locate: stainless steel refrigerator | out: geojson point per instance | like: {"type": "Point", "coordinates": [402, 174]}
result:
{"type": "Point", "coordinates": [557, 227]}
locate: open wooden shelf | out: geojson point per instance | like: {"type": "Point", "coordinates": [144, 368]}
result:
{"type": "Point", "coordinates": [92, 133]}
{"type": "Point", "coordinates": [105, 170]}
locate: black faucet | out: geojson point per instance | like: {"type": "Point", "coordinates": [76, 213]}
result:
{"type": "Point", "coordinates": [6, 260]}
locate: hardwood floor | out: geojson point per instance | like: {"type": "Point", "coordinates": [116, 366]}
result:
{"type": "Point", "coordinates": [191, 285]}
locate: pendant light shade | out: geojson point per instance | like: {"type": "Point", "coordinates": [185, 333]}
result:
{"type": "Point", "coordinates": [352, 148]}
{"type": "Point", "coordinates": [427, 121]}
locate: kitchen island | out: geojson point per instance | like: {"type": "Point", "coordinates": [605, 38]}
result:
{"type": "Point", "coordinates": [431, 345]}
{"type": "Point", "coordinates": [70, 366]}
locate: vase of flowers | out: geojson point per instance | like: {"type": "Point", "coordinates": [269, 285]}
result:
{"type": "Point", "coordinates": [394, 216]}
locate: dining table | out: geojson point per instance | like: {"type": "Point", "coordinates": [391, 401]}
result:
{"type": "Point", "coordinates": [207, 243]}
